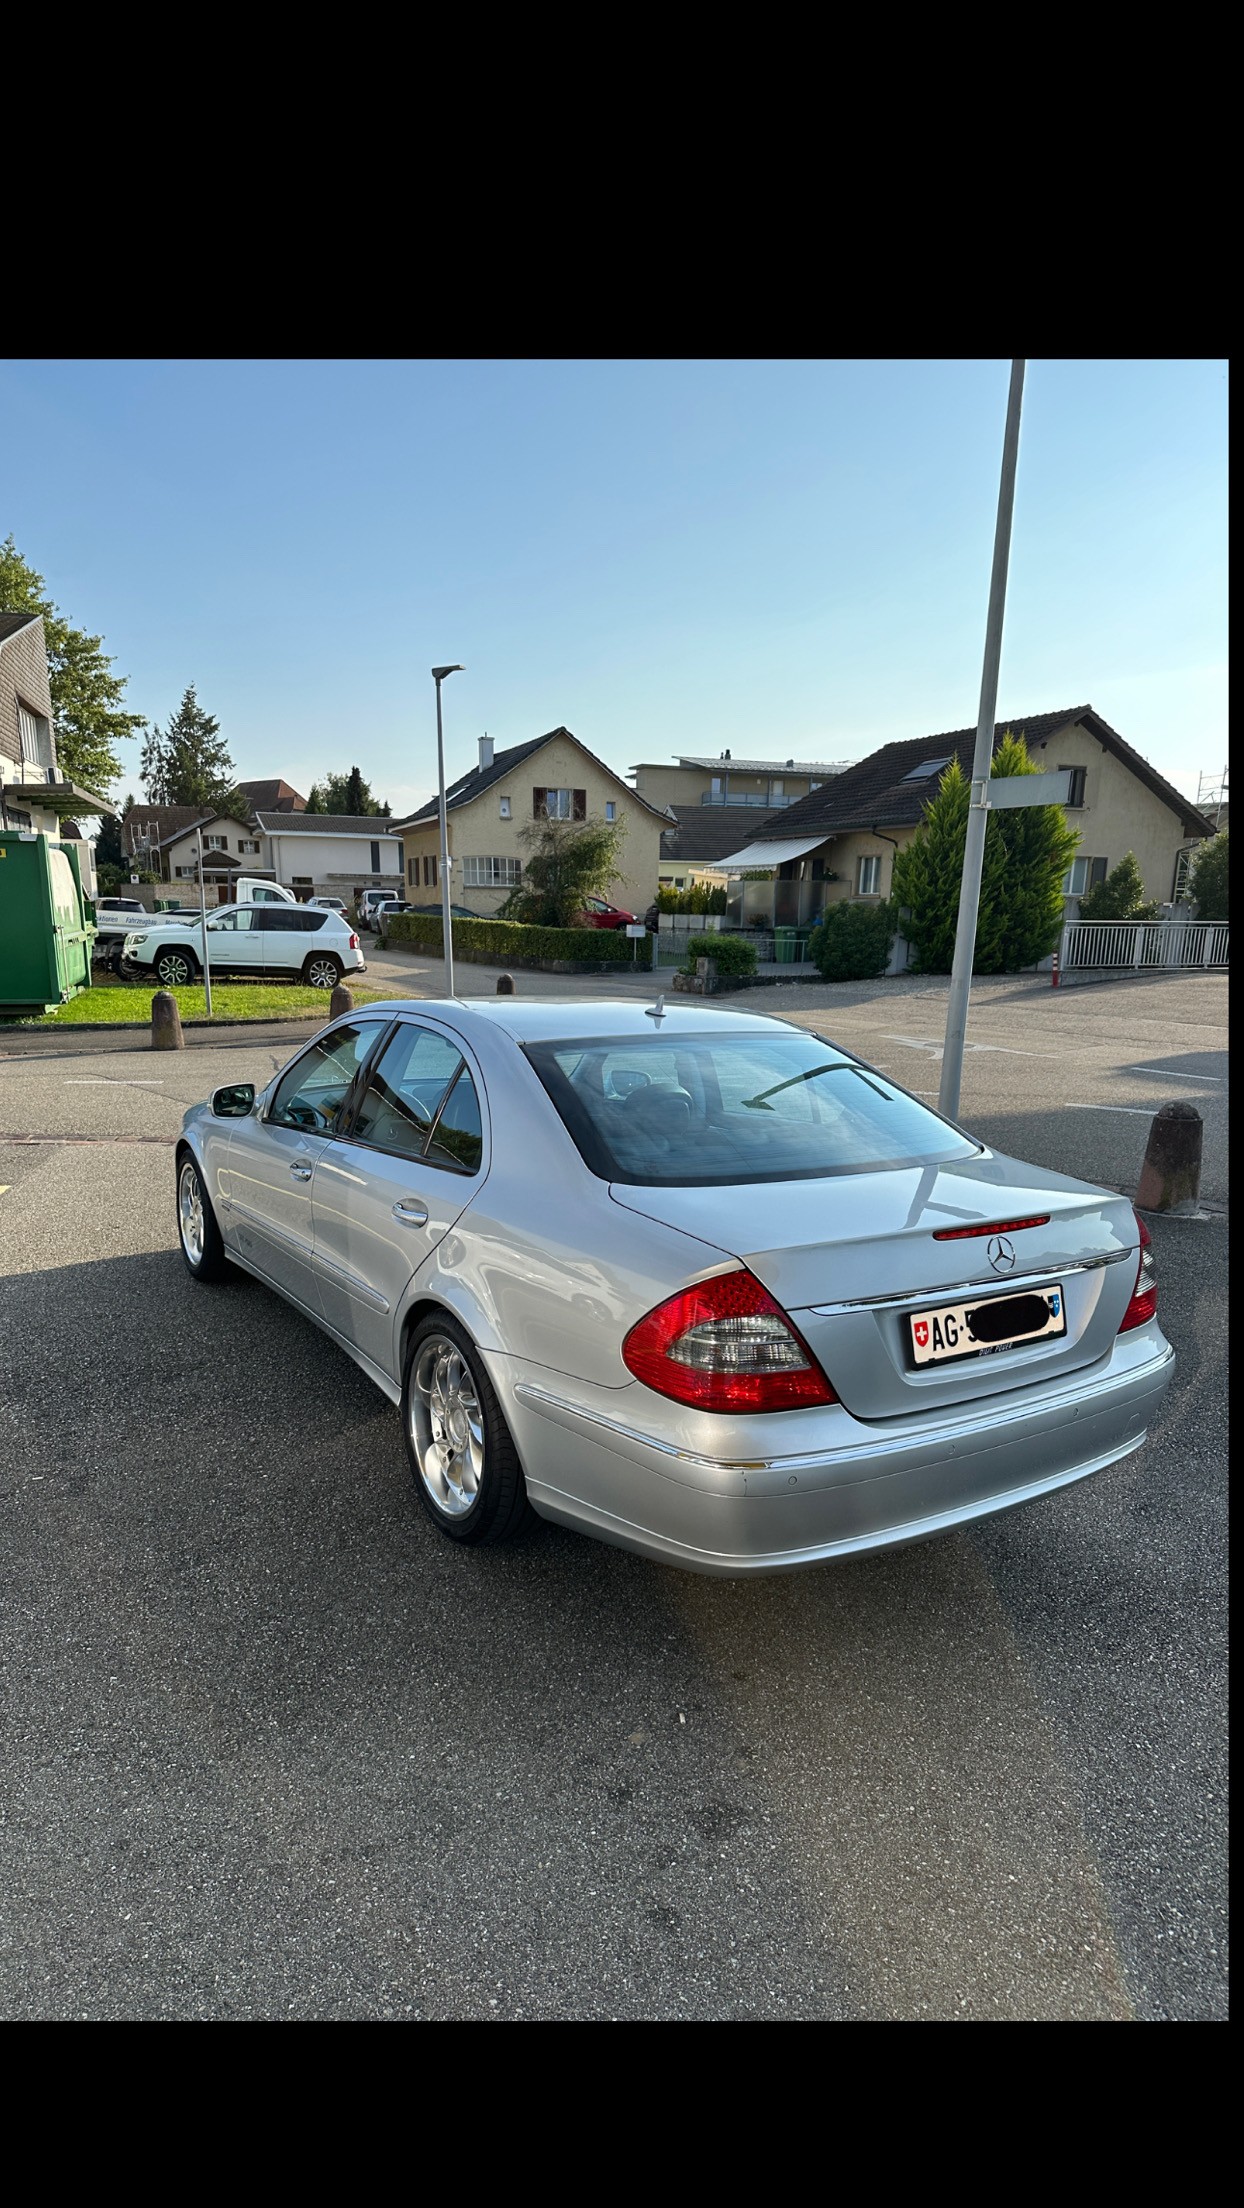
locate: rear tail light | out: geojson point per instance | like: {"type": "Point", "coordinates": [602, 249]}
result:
{"type": "Point", "coordinates": [726, 1346]}
{"type": "Point", "coordinates": [354, 942]}
{"type": "Point", "coordinates": [1144, 1301]}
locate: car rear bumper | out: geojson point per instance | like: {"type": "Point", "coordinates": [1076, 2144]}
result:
{"type": "Point", "coordinates": [878, 1486]}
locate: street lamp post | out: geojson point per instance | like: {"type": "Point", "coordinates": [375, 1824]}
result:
{"type": "Point", "coordinates": [438, 677]}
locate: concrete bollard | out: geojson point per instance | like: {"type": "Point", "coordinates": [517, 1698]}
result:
{"type": "Point", "coordinates": [166, 1031]}
{"type": "Point", "coordinates": [505, 985]}
{"type": "Point", "coordinates": [1170, 1178]}
{"type": "Point", "coordinates": [341, 1001]}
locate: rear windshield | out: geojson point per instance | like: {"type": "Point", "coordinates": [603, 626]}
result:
{"type": "Point", "coordinates": [712, 1110]}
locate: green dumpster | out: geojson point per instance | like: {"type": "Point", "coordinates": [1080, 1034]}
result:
{"type": "Point", "coordinates": [46, 923]}
{"type": "Point", "coordinates": [785, 946]}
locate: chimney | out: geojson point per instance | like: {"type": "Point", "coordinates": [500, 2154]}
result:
{"type": "Point", "coordinates": [485, 752]}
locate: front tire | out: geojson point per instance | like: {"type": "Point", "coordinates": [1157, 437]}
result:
{"type": "Point", "coordinates": [465, 1466]}
{"type": "Point", "coordinates": [175, 969]}
{"type": "Point", "coordinates": [322, 970]}
{"type": "Point", "coordinates": [197, 1231]}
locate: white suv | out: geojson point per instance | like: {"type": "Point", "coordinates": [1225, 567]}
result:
{"type": "Point", "coordinates": [246, 942]}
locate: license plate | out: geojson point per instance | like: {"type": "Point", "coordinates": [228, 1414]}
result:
{"type": "Point", "coordinates": [982, 1329]}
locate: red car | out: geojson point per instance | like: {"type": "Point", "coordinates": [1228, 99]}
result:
{"type": "Point", "coordinates": [597, 914]}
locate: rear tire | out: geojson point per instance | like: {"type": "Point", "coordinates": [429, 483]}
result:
{"type": "Point", "coordinates": [322, 970]}
{"type": "Point", "coordinates": [175, 969]}
{"type": "Point", "coordinates": [462, 1458]}
{"type": "Point", "coordinates": [197, 1232]}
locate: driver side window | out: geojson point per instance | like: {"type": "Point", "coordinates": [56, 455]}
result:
{"type": "Point", "coordinates": [311, 1094]}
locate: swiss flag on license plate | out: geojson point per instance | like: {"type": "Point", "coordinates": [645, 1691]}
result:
{"type": "Point", "coordinates": [921, 1331]}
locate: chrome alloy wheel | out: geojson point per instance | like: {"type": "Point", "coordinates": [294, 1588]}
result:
{"type": "Point", "coordinates": [190, 1213]}
{"type": "Point", "coordinates": [322, 973]}
{"type": "Point", "coordinates": [446, 1426]}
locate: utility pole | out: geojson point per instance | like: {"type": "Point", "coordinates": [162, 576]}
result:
{"type": "Point", "coordinates": [978, 806]}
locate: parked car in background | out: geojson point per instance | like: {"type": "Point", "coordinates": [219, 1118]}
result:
{"type": "Point", "coordinates": [327, 904]}
{"type": "Point", "coordinates": [456, 912]}
{"type": "Point", "coordinates": [247, 943]}
{"type": "Point", "coordinates": [384, 912]}
{"type": "Point", "coordinates": [114, 918]}
{"type": "Point", "coordinates": [366, 906]}
{"type": "Point", "coordinates": [692, 1280]}
{"type": "Point", "coordinates": [597, 914]}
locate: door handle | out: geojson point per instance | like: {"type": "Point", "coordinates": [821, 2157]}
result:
{"type": "Point", "coordinates": [302, 1172]}
{"type": "Point", "coordinates": [411, 1213]}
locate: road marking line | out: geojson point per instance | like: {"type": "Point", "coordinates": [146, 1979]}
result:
{"type": "Point", "coordinates": [1005, 1050]}
{"type": "Point", "coordinates": [106, 1081]}
{"type": "Point", "coordinates": [1212, 1078]}
{"type": "Point", "coordinates": [1138, 1111]}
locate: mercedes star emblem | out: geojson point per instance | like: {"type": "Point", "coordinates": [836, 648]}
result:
{"type": "Point", "coordinates": [1001, 1253]}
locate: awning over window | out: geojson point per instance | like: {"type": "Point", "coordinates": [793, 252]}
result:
{"type": "Point", "coordinates": [773, 854]}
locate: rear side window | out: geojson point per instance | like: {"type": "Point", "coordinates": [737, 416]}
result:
{"type": "Point", "coordinates": [311, 1094]}
{"type": "Point", "coordinates": [289, 920]}
{"type": "Point", "coordinates": [420, 1102]}
{"type": "Point", "coordinates": [730, 1109]}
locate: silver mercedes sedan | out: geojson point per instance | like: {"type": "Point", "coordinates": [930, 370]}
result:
{"type": "Point", "coordinates": [692, 1280]}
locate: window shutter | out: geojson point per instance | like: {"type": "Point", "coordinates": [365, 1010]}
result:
{"type": "Point", "coordinates": [537, 803]}
{"type": "Point", "coordinates": [579, 802]}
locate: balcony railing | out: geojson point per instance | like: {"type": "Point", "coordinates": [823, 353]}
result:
{"type": "Point", "coordinates": [731, 797]}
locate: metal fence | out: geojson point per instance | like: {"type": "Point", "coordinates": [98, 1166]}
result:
{"type": "Point", "coordinates": [1160, 945]}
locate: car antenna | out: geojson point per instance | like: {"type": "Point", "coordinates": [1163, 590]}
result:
{"type": "Point", "coordinates": [656, 1011]}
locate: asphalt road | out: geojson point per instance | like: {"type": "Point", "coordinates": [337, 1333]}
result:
{"type": "Point", "coordinates": [269, 1748]}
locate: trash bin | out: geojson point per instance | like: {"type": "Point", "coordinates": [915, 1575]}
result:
{"type": "Point", "coordinates": [46, 935]}
{"type": "Point", "coordinates": [785, 946]}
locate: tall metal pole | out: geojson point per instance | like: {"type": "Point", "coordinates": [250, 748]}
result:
{"type": "Point", "coordinates": [207, 963]}
{"type": "Point", "coordinates": [447, 925]}
{"type": "Point", "coordinates": [978, 807]}
{"type": "Point", "coordinates": [447, 931]}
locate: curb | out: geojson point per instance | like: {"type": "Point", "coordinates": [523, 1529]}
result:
{"type": "Point", "coordinates": [136, 1027]}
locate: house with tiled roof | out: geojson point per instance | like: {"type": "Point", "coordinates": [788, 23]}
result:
{"type": "Point", "coordinates": [163, 840]}
{"type": "Point", "coordinates": [841, 840]}
{"type": "Point", "coordinates": [704, 794]}
{"type": "Point", "coordinates": [553, 776]}
{"type": "Point", "coordinates": [314, 854]}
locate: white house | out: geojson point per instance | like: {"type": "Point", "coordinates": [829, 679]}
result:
{"type": "Point", "coordinates": [314, 854]}
{"type": "Point", "coordinates": [332, 854]}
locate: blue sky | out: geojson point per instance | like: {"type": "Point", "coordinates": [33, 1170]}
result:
{"type": "Point", "coordinates": [786, 558]}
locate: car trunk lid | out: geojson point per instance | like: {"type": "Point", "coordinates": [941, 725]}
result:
{"type": "Point", "coordinates": [853, 1256]}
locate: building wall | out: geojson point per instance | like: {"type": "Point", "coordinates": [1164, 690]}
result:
{"type": "Point", "coordinates": [1118, 814]}
{"type": "Point", "coordinates": [478, 830]}
{"type": "Point", "coordinates": [24, 673]}
{"type": "Point", "coordinates": [334, 865]}
{"type": "Point", "coordinates": [184, 853]}
{"type": "Point", "coordinates": [842, 857]}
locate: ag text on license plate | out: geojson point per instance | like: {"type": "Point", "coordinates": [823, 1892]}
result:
{"type": "Point", "coordinates": [991, 1323]}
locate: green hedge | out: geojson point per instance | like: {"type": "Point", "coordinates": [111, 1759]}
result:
{"type": "Point", "coordinates": [852, 941]}
{"type": "Point", "coordinates": [510, 943]}
{"type": "Point", "coordinates": [701, 897]}
{"type": "Point", "coordinates": [732, 953]}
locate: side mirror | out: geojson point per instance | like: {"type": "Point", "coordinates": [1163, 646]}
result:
{"type": "Point", "coordinates": [235, 1101]}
